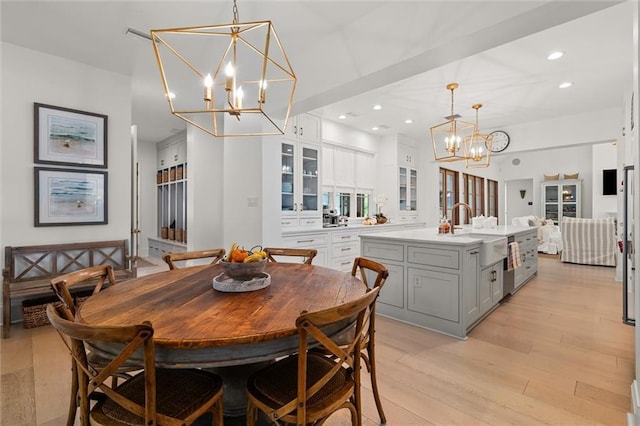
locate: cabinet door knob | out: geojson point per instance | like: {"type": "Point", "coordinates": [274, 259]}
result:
{"type": "Point", "coordinates": [295, 130]}
{"type": "Point", "coordinates": [301, 131]}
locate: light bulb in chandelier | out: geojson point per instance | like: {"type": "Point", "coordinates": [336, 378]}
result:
{"type": "Point", "coordinates": [452, 143]}
{"type": "Point", "coordinates": [229, 76]}
{"type": "Point", "coordinates": [262, 89]}
{"type": "Point", "coordinates": [208, 84]}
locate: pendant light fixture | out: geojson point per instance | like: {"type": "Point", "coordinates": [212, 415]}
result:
{"type": "Point", "coordinates": [447, 138]}
{"type": "Point", "coordinates": [238, 70]}
{"type": "Point", "coordinates": [477, 146]}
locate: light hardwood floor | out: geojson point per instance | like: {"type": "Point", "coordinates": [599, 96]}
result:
{"type": "Point", "coordinates": [554, 353]}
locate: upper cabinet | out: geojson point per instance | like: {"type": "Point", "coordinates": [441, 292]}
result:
{"type": "Point", "coordinates": [300, 184]}
{"type": "Point", "coordinates": [407, 183]}
{"type": "Point", "coordinates": [304, 127]}
{"type": "Point", "coordinates": [343, 167]}
{"type": "Point", "coordinates": [365, 170]}
{"type": "Point", "coordinates": [561, 198]}
{"type": "Point", "coordinates": [172, 155]}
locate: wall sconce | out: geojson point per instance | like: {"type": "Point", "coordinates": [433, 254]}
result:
{"type": "Point", "coordinates": [522, 193]}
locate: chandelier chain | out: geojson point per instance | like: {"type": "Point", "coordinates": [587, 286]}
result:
{"type": "Point", "coordinates": [452, 89]}
{"type": "Point", "coordinates": [235, 12]}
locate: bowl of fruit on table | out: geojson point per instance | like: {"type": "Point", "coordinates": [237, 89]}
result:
{"type": "Point", "coordinates": [244, 265]}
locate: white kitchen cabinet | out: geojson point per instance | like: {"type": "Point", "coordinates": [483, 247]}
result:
{"type": "Point", "coordinates": [327, 165]}
{"type": "Point", "coordinates": [300, 182]}
{"type": "Point", "coordinates": [343, 167]}
{"type": "Point", "coordinates": [561, 198]}
{"type": "Point", "coordinates": [365, 170]}
{"type": "Point", "coordinates": [172, 155]}
{"type": "Point", "coordinates": [171, 188]}
{"type": "Point", "coordinates": [310, 240]}
{"type": "Point", "coordinates": [408, 194]}
{"type": "Point", "coordinates": [407, 183]}
{"type": "Point", "coordinates": [304, 127]}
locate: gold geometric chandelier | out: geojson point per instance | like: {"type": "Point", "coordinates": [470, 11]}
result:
{"type": "Point", "coordinates": [447, 138]}
{"type": "Point", "coordinates": [477, 146]}
{"type": "Point", "coordinates": [237, 71]}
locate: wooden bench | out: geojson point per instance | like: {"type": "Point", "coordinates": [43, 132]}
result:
{"type": "Point", "coordinates": [28, 270]}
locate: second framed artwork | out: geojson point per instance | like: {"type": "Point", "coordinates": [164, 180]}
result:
{"type": "Point", "coordinates": [70, 197]}
{"type": "Point", "coordinates": [69, 137]}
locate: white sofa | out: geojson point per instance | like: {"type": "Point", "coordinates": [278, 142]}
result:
{"type": "Point", "coordinates": [549, 235]}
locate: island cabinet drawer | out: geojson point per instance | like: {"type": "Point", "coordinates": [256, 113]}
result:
{"type": "Point", "coordinates": [433, 293]}
{"type": "Point", "coordinates": [344, 237]}
{"type": "Point", "coordinates": [392, 292]}
{"type": "Point", "coordinates": [306, 240]}
{"type": "Point", "coordinates": [432, 256]}
{"type": "Point", "coordinates": [350, 249]}
{"type": "Point", "coordinates": [383, 251]}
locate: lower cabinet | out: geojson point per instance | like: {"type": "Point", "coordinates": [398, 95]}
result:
{"type": "Point", "coordinates": [528, 247]}
{"type": "Point", "coordinates": [434, 293]}
{"type": "Point", "coordinates": [393, 292]}
{"type": "Point", "coordinates": [159, 247]}
{"type": "Point", "coordinates": [432, 285]}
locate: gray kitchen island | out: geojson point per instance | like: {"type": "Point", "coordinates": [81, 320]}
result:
{"type": "Point", "coordinates": [446, 283]}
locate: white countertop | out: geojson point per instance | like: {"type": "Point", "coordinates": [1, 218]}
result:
{"type": "Point", "coordinates": [461, 237]}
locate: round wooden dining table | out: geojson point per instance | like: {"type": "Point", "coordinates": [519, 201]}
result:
{"type": "Point", "coordinates": [198, 326]}
{"type": "Point", "coordinates": [232, 333]}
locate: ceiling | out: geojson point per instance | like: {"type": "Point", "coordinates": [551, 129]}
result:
{"type": "Point", "coordinates": [350, 55]}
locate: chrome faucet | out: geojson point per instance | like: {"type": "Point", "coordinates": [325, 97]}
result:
{"type": "Point", "coordinates": [467, 206]}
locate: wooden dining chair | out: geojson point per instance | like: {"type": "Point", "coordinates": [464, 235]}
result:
{"type": "Point", "coordinates": [94, 278]}
{"type": "Point", "coordinates": [155, 396]}
{"type": "Point", "coordinates": [305, 255]}
{"type": "Point", "coordinates": [364, 269]}
{"type": "Point", "coordinates": [170, 258]}
{"type": "Point", "coordinates": [308, 387]}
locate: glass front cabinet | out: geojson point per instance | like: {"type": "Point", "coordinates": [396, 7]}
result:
{"type": "Point", "coordinates": [561, 198]}
{"type": "Point", "coordinates": [300, 184]}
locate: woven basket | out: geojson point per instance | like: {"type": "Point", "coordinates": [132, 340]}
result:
{"type": "Point", "coordinates": [34, 312]}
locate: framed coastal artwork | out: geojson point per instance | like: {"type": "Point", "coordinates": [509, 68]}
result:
{"type": "Point", "coordinates": [69, 137]}
{"type": "Point", "coordinates": [70, 197]}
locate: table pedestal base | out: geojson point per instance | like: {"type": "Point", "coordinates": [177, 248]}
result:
{"type": "Point", "coordinates": [234, 397]}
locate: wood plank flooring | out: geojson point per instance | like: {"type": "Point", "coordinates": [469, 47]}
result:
{"type": "Point", "coordinates": [554, 353]}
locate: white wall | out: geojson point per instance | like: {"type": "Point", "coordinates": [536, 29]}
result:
{"type": "Point", "coordinates": [535, 164]}
{"type": "Point", "coordinates": [205, 177]}
{"type": "Point", "coordinates": [604, 157]}
{"type": "Point", "coordinates": [516, 205]}
{"type": "Point", "coordinates": [27, 77]}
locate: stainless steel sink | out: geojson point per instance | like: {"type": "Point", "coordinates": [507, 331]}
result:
{"type": "Point", "coordinates": [492, 249]}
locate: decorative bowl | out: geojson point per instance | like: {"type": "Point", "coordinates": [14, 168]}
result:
{"type": "Point", "coordinates": [241, 271]}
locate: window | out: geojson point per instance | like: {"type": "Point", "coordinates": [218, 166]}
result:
{"type": "Point", "coordinates": [448, 192]}
{"type": "Point", "coordinates": [362, 205]}
{"type": "Point", "coordinates": [343, 203]}
{"type": "Point", "coordinates": [474, 195]}
{"type": "Point", "coordinates": [492, 204]}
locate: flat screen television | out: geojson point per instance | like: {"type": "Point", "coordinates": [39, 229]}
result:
{"type": "Point", "coordinates": [609, 182]}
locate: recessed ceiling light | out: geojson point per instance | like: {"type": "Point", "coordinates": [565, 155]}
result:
{"type": "Point", "coordinates": [377, 107]}
{"type": "Point", "coordinates": [555, 55]}
{"type": "Point", "coordinates": [565, 84]}
{"type": "Point", "coordinates": [375, 128]}
{"type": "Point", "coordinates": [408, 121]}
{"type": "Point", "coordinates": [342, 116]}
